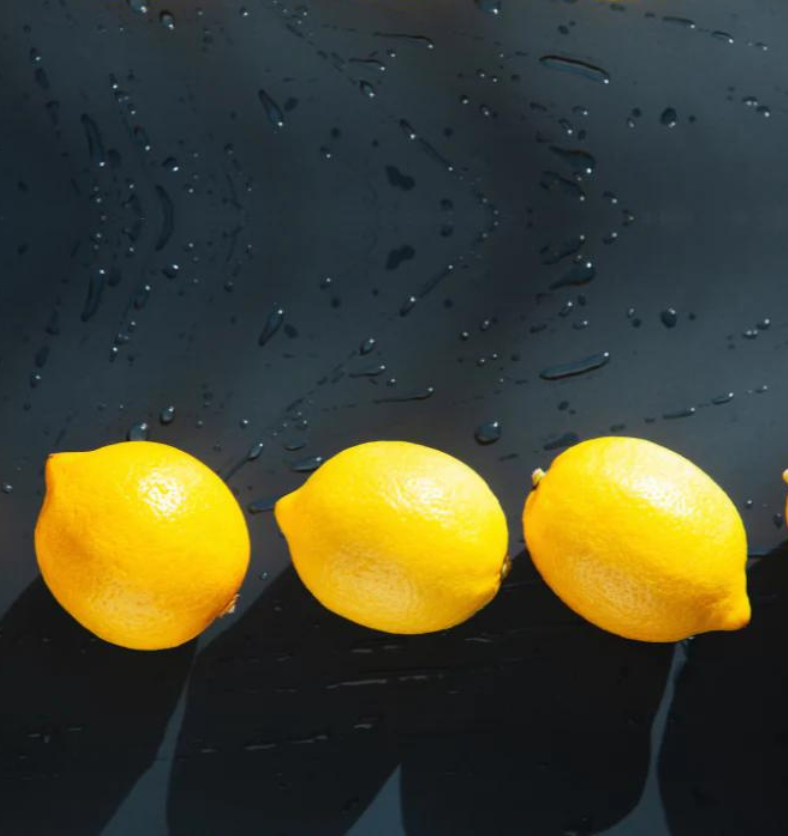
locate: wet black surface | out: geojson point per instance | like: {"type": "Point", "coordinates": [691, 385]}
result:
{"type": "Point", "coordinates": [312, 225]}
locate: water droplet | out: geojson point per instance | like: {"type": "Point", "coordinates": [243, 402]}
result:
{"type": "Point", "coordinates": [565, 440]}
{"type": "Point", "coordinates": [669, 117]}
{"type": "Point", "coordinates": [167, 415]}
{"type": "Point", "coordinates": [722, 36]}
{"type": "Point", "coordinates": [722, 399]}
{"type": "Point", "coordinates": [367, 89]}
{"type": "Point", "coordinates": [576, 276]}
{"type": "Point", "coordinates": [420, 395]}
{"type": "Point", "coordinates": [272, 325]}
{"type": "Point", "coordinates": [669, 317]}
{"type": "Point", "coordinates": [95, 142]}
{"type": "Point", "coordinates": [370, 371]}
{"type": "Point", "coordinates": [492, 7]}
{"type": "Point", "coordinates": [587, 364]}
{"type": "Point", "coordinates": [8, 487]}
{"type": "Point", "coordinates": [307, 465]}
{"type": "Point", "coordinates": [576, 67]}
{"type": "Point", "coordinates": [680, 413]}
{"type": "Point", "coordinates": [367, 346]}
{"type": "Point", "coordinates": [171, 271]}
{"type": "Point", "coordinates": [581, 162]}
{"type": "Point", "coordinates": [138, 6]}
{"type": "Point", "coordinates": [139, 432]}
{"type": "Point", "coordinates": [93, 298]}
{"type": "Point", "coordinates": [255, 451]}
{"type": "Point", "coordinates": [167, 20]}
{"type": "Point", "coordinates": [679, 21]}
{"type": "Point", "coordinates": [272, 109]}
{"type": "Point", "coordinates": [488, 433]}
{"type": "Point", "coordinates": [171, 164]}
{"type": "Point", "coordinates": [419, 39]}
{"type": "Point", "coordinates": [407, 306]}
{"type": "Point", "coordinates": [167, 217]}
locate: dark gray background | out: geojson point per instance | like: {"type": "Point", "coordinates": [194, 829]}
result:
{"type": "Point", "coordinates": [283, 718]}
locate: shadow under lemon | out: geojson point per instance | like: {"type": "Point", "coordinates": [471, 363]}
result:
{"type": "Point", "coordinates": [517, 719]}
{"type": "Point", "coordinates": [80, 720]}
{"type": "Point", "coordinates": [724, 762]}
{"type": "Point", "coordinates": [556, 727]}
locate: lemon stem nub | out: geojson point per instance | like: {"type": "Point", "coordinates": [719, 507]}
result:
{"type": "Point", "coordinates": [230, 608]}
{"type": "Point", "coordinates": [506, 568]}
{"type": "Point", "coordinates": [536, 476]}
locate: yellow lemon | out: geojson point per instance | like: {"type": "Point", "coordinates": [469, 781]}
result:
{"type": "Point", "coordinates": [639, 541]}
{"type": "Point", "coordinates": [142, 543]}
{"type": "Point", "coordinates": [397, 537]}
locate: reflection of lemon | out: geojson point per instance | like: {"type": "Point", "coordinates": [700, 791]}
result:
{"type": "Point", "coordinates": [141, 543]}
{"type": "Point", "coordinates": [639, 541]}
{"type": "Point", "coordinates": [397, 537]}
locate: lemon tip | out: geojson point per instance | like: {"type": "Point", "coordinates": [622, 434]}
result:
{"type": "Point", "coordinates": [537, 476]}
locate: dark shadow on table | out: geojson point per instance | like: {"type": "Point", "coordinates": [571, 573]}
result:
{"type": "Point", "coordinates": [80, 719]}
{"type": "Point", "coordinates": [273, 741]}
{"type": "Point", "coordinates": [524, 717]}
{"type": "Point", "coordinates": [724, 762]}
{"type": "Point", "coordinates": [555, 736]}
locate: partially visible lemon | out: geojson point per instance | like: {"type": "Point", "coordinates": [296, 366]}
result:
{"type": "Point", "coordinates": [142, 543]}
{"type": "Point", "coordinates": [397, 537]}
{"type": "Point", "coordinates": [639, 541]}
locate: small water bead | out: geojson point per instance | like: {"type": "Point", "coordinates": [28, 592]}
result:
{"type": "Point", "coordinates": [367, 89]}
{"type": "Point", "coordinates": [272, 325]}
{"type": "Point", "coordinates": [138, 432]}
{"type": "Point", "coordinates": [272, 109]}
{"type": "Point", "coordinates": [167, 20]}
{"type": "Point", "coordinates": [566, 440]}
{"type": "Point", "coordinates": [167, 415]}
{"type": "Point", "coordinates": [492, 7]}
{"type": "Point", "coordinates": [307, 465]}
{"type": "Point", "coordinates": [255, 451]}
{"type": "Point", "coordinates": [576, 367]}
{"type": "Point", "coordinates": [669, 117]}
{"type": "Point", "coordinates": [719, 400]}
{"type": "Point", "coordinates": [138, 6]}
{"type": "Point", "coordinates": [669, 317]}
{"type": "Point", "coordinates": [488, 433]}
{"type": "Point", "coordinates": [576, 67]}
{"type": "Point", "coordinates": [367, 346]}
{"type": "Point", "coordinates": [679, 21]}
{"type": "Point", "coordinates": [8, 487]}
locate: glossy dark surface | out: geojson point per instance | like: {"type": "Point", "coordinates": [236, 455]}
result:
{"type": "Point", "coordinates": [168, 185]}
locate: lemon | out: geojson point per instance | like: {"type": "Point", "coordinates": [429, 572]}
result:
{"type": "Point", "coordinates": [397, 537]}
{"type": "Point", "coordinates": [142, 543]}
{"type": "Point", "coordinates": [639, 541]}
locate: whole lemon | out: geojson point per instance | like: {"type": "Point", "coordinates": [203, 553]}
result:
{"type": "Point", "coordinates": [639, 541]}
{"type": "Point", "coordinates": [142, 543]}
{"type": "Point", "coordinates": [397, 537]}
